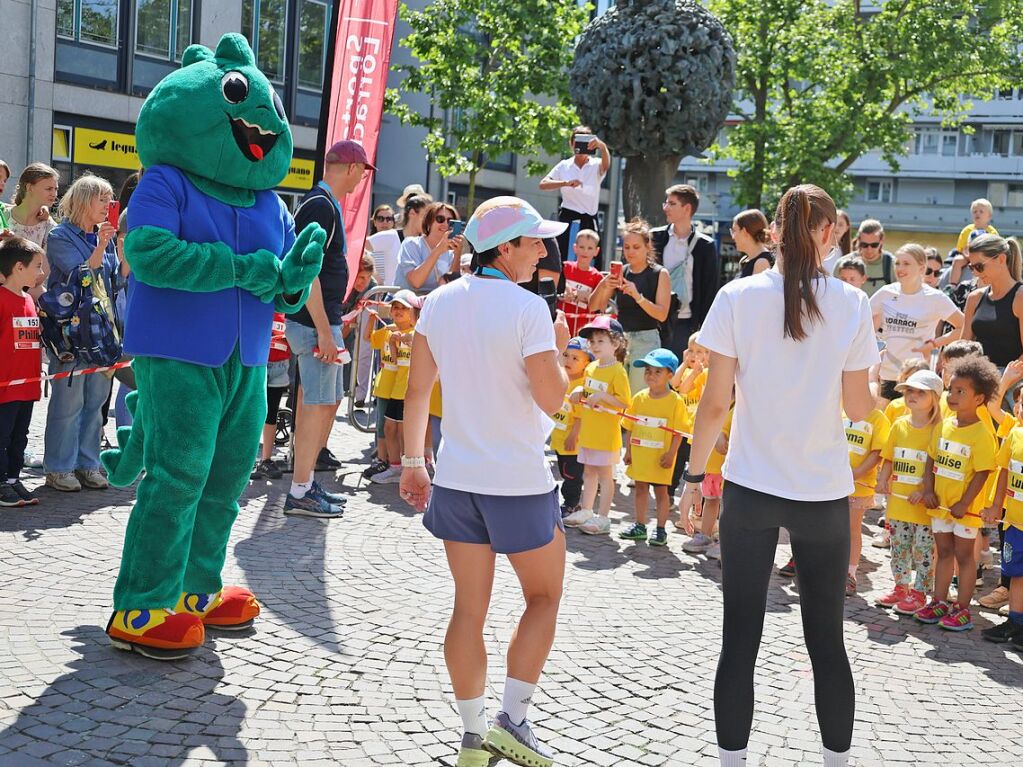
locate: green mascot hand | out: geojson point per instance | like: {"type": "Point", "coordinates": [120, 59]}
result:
{"type": "Point", "coordinates": [302, 264]}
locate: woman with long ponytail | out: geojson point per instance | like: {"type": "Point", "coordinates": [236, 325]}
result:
{"type": "Point", "coordinates": [798, 346]}
{"type": "Point", "coordinates": [994, 312]}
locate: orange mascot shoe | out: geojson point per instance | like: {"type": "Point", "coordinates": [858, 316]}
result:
{"type": "Point", "coordinates": [159, 634]}
{"type": "Point", "coordinates": [233, 608]}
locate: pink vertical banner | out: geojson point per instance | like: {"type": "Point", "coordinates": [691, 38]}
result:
{"type": "Point", "coordinates": [359, 58]}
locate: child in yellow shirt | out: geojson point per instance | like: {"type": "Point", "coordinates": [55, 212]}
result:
{"type": "Point", "coordinates": [379, 340]}
{"type": "Point", "coordinates": [689, 381]}
{"type": "Point", "coordinates": [651, 451]}
{"type": "Point", "coordinates": [567, 424]}
{"type": "Point", "coordinates": [902, 475]}
{"type": "Point", "coordinates": [605, 393]}
{"type": "Point", "coordinates": [866, 439]}
{"type": "Point", "coordinates": [897, 408]}
{"type": "Point", "coordinates": [711, 490]}
{"type": "Point", "coordinates": [960, 460]}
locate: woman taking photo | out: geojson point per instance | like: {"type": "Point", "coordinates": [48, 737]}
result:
{"type": "Point", "coordinates": [907, 312]}
{"type": "Point", "coordinates": [642, 293]}
{"type": "Point", "coordinates": [29, 215]}
{"type": "Point", "coordinates": [425, 260]}
{"type": "Point", "coordinates": [752, 236]}
{"type": "Point", "coordinates": [818, 331]}
{"type": "Point", "coordinates": [74, 420]}
{"type": "Point", "coordinates": [994, 312]}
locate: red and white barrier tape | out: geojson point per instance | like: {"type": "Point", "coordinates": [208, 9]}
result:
{"type": "Point", "coordinates": [636, 419]}
{"type": "Point", "coordinates": [69, 374]}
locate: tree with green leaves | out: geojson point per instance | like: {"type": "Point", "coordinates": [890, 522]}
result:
{"type": "Point", "coordinates": [499, 70]}
{"type": "Point", "coordinates": [821, 83]}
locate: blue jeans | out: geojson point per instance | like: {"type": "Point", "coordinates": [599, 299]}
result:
{"type": "Point", "coordinates": [74, 420]}
{"type": "Point", "coordinates": [641, 343]}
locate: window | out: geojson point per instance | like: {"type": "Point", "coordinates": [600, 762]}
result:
{"type": "Point", "coordinates": [879, 191]}
{"type": "Point", "coordinates": [264, 24]}
{"type": "Point", "coordinates": [163, 28]}
{"type": "Point", "coordinates": [1000, 142]}
{"type": "Point", "coordinates": [89, 21]}
{"type": "Point", "coordinates": [313, 22]}
{"type": "Point", "coordinates": [949, 144]}
{"type": "Point", "coordinates": [1014, 199]}
{"type": "Point", "coordinates": [934, 141]}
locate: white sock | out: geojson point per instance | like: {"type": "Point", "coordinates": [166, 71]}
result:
{"type": "Point", "coordinates": [834, 758]}
{"type": "Point", "coordinates": [732, 758]}
{"type": "Point", "coordinates": [474, 715]}
{"type": "Point", "coordinates": [299, 489]}
{"type": "Point", "coordinates": [515, 702]}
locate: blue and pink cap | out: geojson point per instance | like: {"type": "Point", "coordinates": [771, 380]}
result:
{"type": "Point", "coordinates": [501, 219]}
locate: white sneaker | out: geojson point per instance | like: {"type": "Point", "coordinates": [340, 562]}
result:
{"type": "Point", "coordinates": [714, 552]}
{"type": "Point", "coordinates": [65, 481]}
{"type": "Point", "coordinates": [388, 476]}
{"type": "Point", "coordinates": [92, 479]}
{"type": "Point", "coordinates": [883, 540]}
{"type": "Point", "coordinates": [578, 517]}
{"type": "Point", "coordinates": [597, 525]}
{"type": "Point", "coordinates": [33, 461]}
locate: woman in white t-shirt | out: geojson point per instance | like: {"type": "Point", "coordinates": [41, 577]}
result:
{"type": "Point", "coordinates": [906, 314]}
{"type": "Point", "coordinates": [797, 346]}
{"type": "Point", "coordinates": [493, 492]}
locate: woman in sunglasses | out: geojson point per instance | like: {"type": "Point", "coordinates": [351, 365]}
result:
{"type": "Point", "coordinates": [994, 312]}
{"type": "Point", "coordinates": [932, 273]}
{"type": "Point", "coordinates": [383, 219]}
{"type": "Point", "coordinates": [425, 260]}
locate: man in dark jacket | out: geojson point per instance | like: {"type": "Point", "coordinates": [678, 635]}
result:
{"type": "Point", "coordinates": [691, 259]}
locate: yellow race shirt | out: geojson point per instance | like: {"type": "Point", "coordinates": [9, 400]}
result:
{"type": "Point", "coordinates": [864, 437]}
{"type": "Point", "coordinates": [896, 409]}
{"type": "Point", "coordinates": [403, 362]}
{"type": "Point", "coordinates": [603, 430]}
{"type": "Point", "coordinates": [647, 441]}
{"type": "Point", "coordinates": [1010, 459]}
{"type": "Point", "coordinates": [906, 450]}
{"type": "Point", "coordinates": [564, 419]}
{"type": "Point", "coordinates": [982, 413]}
{"type": "Point", "coordinates": [385, 378]}
{"type": "Point", "coordinates": [959, 452]}
{"type": "Point", "coordinates": [717, 460]}
{"type": "Point", "coordinates": [692, 399]}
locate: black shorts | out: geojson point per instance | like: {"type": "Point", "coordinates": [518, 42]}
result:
{"type": "Point", "coordinates": [395, 410]}
{"type": "Point", "coordinates": [888, 390]}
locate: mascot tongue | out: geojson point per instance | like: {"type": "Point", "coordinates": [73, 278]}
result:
{"type": "Point", "coordinates": [257, 151]}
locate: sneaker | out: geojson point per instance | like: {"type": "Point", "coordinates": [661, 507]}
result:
{"type": "Point", "coordinates": [92, 479]}
{"type": "Point", "coordinates": [270, 469]}
{"type": "Point", "coordinates": [597, 525]}
{"type": "Point", "coordinates": [893, 597]}
{"type": "Point", "coordinates": [567, 511]}
{"type": "Point", "coordinates": [375, 468]}
{"type": "Point", "coordinates": [9, 496]}
{"type": "Point", "coordinates": [258, 472]}
{"type": "Point", "coordinates": [335, 499]}
{"type": "Point", "coordinates": [789, 570]}
{"type": "Point", "coordinates": [850, 585]}
{"type": "Point", "coordinates": [958, 619]}
{"type": "Point", "coordinates": [1004, 610]}
{"type": "Point", "coordinates": [473, 754]}
{"type": "Point", "coordinates": [980, 576]}
{"type": "Point", "coordinates": [995, 598]}
{"type": "Point", "coordinates": [883, 540]}
{"type": "Point", "coordinates": [932, 612]}
{"type": "Point", "coordinates": [26, 495]}
{"type": "Point", "coordinates": [326, 461]}
{"type": "Point", "coordinates": [634, 532]}
{"type": "Point", "coordinates": [517, 743]}
{"type": "Point", "coordinates": [913, 602]}
{"type": "Point", "coordinates": [65, 481]}
{"type": "Point", "coordinates": [310, 505]}
{"type": "Point", "coordinates": [32, 461]}
{"type": "Point", "coordinates": [578, 517]}
{"type": "Point", "coordinates": [1005, 632]}
{"type": "Point", "coordinates": [698, 544]}
{"type": "Point", "coordinates": [714, 551]}
{"type": "Point", "coordinates": [389, 476]}
{"type": "Point", "coordinates": [659, 538]}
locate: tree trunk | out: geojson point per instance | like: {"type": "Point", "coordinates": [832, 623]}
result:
{"type": "Point", "coordinates": [643, 185]}
{"type": "Point", "coordinates": [470, 206]}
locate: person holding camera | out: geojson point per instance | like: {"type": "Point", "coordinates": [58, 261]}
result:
{"type": "Point", "coordinates": [425, 260]}
{"type": "Point", "coordinates": [578, 178]}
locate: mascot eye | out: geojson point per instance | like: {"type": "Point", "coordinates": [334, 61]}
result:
{"type": "Point", "coordinates": [235, 87]}
{"type": "Point", "coordinates": [279, 105]}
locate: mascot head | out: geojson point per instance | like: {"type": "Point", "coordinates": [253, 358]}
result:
{"type": "Point", "coordinates": [217, 118]}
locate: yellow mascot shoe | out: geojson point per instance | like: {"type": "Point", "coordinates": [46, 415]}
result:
{"type": "Point", "coordinates": [159, 634]}
{"type": "Point", "coordinates": [233, 608]}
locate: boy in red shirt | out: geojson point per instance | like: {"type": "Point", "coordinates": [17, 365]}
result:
{"type": "Point", "coordinates": [21, 356]}
{"type": "Point", "coordinates": [580, 280]}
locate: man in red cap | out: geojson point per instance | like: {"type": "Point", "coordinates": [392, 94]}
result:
{"type": "Point", "coordinates": [314, 332]}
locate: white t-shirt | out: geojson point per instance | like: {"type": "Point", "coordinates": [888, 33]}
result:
{"type": "Point", "coordinates": [583, 199]}
{"type": "Point", "coordinates": [907, 320]}
{"type": "Point", "coordinates": [831, 261]}
{"type": "Point", "coordinates": [676, 251]}
{"type": "Point", "coordinates": [385, 247]}
{"type": "Point", "coordinates": [787, 435]}
{"type": "Point", "coordinates": [494, 432]}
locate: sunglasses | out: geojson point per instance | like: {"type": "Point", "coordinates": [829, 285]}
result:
{"type": "Point", "coordinates": [933, 272]}
{"type": "Point", "coordinates": [871, 245]}
{"type": "Point", "coordinates": [384, 218]}
{"type": "Point", "coordinates": [442, 219]}
{"type": "Point", "coordinates": [978, 266]}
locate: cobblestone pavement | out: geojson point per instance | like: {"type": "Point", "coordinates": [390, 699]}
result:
{"type": "Point", "coordinates": [345, 666]}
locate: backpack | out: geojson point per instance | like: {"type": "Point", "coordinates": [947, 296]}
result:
{"type": "Point", "coordinates": [75, 323]}
{"type": "Point", "coordinates": [960, 293]}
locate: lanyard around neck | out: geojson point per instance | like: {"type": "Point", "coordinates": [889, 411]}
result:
{"type": "Point", "coordinates": [489, 271]}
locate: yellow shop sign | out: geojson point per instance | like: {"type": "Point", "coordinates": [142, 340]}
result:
{"type": "Point", "coordinates": [300, 174]}
{"type": "Point", "coordinates": [105, 148]}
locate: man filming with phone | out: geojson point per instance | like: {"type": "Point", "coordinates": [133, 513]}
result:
{"type": "Point", "coordinates": [578, 178]}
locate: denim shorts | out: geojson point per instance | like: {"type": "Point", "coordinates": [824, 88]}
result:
{"type": "Point", "coordinates": [1012, 553]}
{"type": "Point", "coordinates": [510, 524]}
{"type": "Point", "coordinates": [277, 374]}
{"type": "Point", "coordinates": [322, 384]}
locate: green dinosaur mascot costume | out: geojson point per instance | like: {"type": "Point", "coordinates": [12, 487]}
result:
{"type": "Point", "coordinates": [213, 254]}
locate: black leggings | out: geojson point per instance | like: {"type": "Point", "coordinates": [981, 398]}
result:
{"type": "Point", "coordinates": [273, 403]}
{"type": "Point", "coordinates": [819, 532]}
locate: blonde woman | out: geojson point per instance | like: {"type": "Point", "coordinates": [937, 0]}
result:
{"type": "Point", "coordinates": [74, 420]}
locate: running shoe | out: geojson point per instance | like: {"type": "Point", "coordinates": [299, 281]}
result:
{"type": "Point", "coordinates": [893, 597]}
{"type": "Point", "coordinates": [335, 499]}
{"type": "Point", "coordinates": [932, 612]}
{"type": "Point", "coordinates": [987, 559]}
{"type": "Point", "coordinates": [25, 493]}
{"type": "Point", "coordinates": [788, 570]}
{"type": "Point", "coordinates": [473, 754]}
{"type": "Point", "coordinates": [913, 602]}
{"type": "Point", "coordinates": [1004, 632]}
{"type": "Point", "coordinates": [309, 505]}
{"type": "Point", "coordinates": [65, 481]}
{"type": "Point", "coordinates": [517, 743]}
{"type": "Point", "coordinates": [659, 538]}
{"type": "Point", "coordinates": [996, 598]}
{"type": "Point", "coordinates": [980, 576]}
{"type": "Point", "coordinates": [714, 552]}
{"type": "Point", "coordinates": [9, 496]}
{"type": "Point", "coordinates": [883, 540]}
{"type": "Point", "coordinates": [958, 619]}
{"type": "Point", "coordinates": [578, 517]}
{"type": "Point", "coordinates": [375, 468]}
{"type": "Point", "coordinates": [698, 544]}
{"type": "Point", "coordinates": [326, 461]}
{"type": "Point", "coordinates": [92, 479]}
{"type": "Point", "coordinates": [634, 532]}
{"type": "Point", "coordinates": [597, 525]}
{"type": "Point", "coordinates": [32, 461]}
{"type": "Point", "coordinates": [390, 476]}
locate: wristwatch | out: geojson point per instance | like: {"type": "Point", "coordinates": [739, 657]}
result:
{"type": "Point", "coordinates": [413, 462]}
{"type": "Point", "coordinates": [693, 479]}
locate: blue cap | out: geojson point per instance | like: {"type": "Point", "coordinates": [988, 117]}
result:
{"type": "Point", "coordinates": [578, 344]}
{"type": "Point", "coordinates": [658, 358]}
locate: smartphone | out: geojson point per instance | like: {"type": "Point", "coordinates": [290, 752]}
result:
{"type": "Point", "coordinates": [455, 227]}
{"type": "Point", "coordinates": [114, 213]}
{"type": "Point", "coordinates": [616, 270]}
{"type": "Point", "coordinates": [582, 143]}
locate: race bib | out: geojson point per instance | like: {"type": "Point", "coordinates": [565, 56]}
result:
{"type": "Point", "coordinates": [1014, 488]}
{"type": "Point", "coordinates": [947, 473]}
{"type": "Point", "coordinates": [594, 385]}
{"type": "Point", "coordinates": [26, 333]}
{"type": "Point", "coordinates": [646, 432]}
{"type": "Point", "coordinates": [954, 448]}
